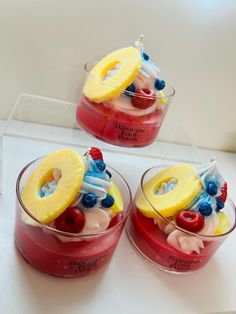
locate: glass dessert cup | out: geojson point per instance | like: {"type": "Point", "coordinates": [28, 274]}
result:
{"type": "Point", "coordinates": [116, 121]}
{"type": "Point", "coordinates": [65, 254]}
{"type": "Point", "coordinates": [150, 239]}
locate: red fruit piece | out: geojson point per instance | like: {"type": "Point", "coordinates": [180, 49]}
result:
{"type": "Point", "coordinates": [71, 220]}
{"type": "Point", "coordinates": [191, 221]}
{"type": "Point", "coordinates": [95, 153]}
{"type": "Point", "coordinates": [143, 98]}
{"type": "Point", "coordinates": [224, 193]}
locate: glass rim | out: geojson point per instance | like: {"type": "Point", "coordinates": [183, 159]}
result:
{"type": "Point", "coordinates": [131, 94]}
{"type": "Point", "coordinates": [70, 234]}
{"type": "Point", "coordinates": [200, 235]}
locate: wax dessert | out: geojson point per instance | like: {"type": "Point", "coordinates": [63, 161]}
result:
{"type": "Point", "coordinates": [181, 215]}
{"type": "Point", "coordinates": [71, 210]}
{"type": "Point", "coordinates": [124, 98]}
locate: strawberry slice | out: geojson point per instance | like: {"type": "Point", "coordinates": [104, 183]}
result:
{"type": "Point", "coordinates": [224, 193]}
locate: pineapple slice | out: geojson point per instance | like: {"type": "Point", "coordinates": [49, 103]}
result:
{"type": "Point", "coordinates": [223, 224]}
{"type": "Point", "coordinates": [72, 168]}
{"type": "Point", "coordinates": [187, 188]}
{"type": "Point", "coordinates": [98, 90]}
{"type": "Point", "coordinates": [118, 201]}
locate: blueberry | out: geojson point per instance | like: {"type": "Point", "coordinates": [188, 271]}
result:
{"type": "Point", "coordinates": [108, 201]}
{"type": "Point", "coordinates": [145, 56]}
{"type": "Point", "coordinates": [205, 209]}
{"type": "Point", "coordinates": [160, 84]}
{"type": "Point", "coordinates": [130, 89]}
{"type": "Point", "coordinates": [100, 164]}
{"type": "Point", "coordinates": [211, 188]}
{"type": "Point", "coordinates": [219, 204]}
{"type": "Point", "coordinates": [89, 200]}
{"type": "Point", "coordinates": [108, 173]}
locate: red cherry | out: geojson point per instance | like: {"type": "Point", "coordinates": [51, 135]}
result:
{"type": "Point", "coordinates": [71, 220]}
{"type": "Point", "coordinates": [191, 221]}
{"type": "Point", "coordinates": [143, 98]}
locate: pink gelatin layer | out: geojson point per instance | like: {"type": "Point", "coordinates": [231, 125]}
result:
{"type": "Point", "coordinates": [116, 127]}
{"type": "Point", "coordinates": [151, 242]}
{"type": "Point", "coordinates": [49, 254]}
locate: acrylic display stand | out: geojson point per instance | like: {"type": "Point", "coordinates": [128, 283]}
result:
{"type": "Point", "coordinates": [53, 121]}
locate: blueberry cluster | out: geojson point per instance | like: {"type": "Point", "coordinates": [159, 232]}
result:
{"type": "Point", "coordinates": [206, 202]}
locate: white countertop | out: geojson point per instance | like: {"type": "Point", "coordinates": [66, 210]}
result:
{"type": "Point", "coordinates": [128, 284]}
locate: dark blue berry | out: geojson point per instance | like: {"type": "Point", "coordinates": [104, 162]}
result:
{"type": "Point", "coordinates": [219, 204]}
{"type": "Point", "coordinates": [108, 173]}
{"type": "Point", "coordinates": [160, 84]}
{"type": "Point", "coordinates": [130, 89]}
{"type": "Point", "coordinates": [211, 188]}
{"type": "Point", "coordinates": [205, 209]}
{"type": "Point", "coordinates": [100, 164]}
{"type": "Point", "coordinates": [108, 201]}
{"type": "Point", "coordinates": [145, 56]}
{"type": "Point", "coordinates": [89, 200]}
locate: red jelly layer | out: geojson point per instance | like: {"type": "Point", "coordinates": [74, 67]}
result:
{"type": "Point", "coordinates": [116, 127]}
{"type": "Point", "coordinates": [65, 259]}
{"type": "Point", "coordinates": [151, 241]}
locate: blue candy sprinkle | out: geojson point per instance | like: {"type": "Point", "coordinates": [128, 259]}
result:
{"type": "Point", "coordinates": [130, 89]}
{"type": "Point", "coordinates": [89, 200]}
{"type": "Point", "coordinates": [205, 209]}
{"type": "Point", "coordinates": [219, 204]}
{"type": "Point", "coordinates": [100, 165]}
{"type": "Point", "coordinates": [211, 188]}
{"type": "Point", "coordinates": [145, 56]}
{"type": "Point", "coordinates": [108, 201]}
{"type": "Point", "coordinates": [160, 84]}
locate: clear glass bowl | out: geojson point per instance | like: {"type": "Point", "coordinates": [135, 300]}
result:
{"type": "Point", "coordinates": [150, 239]}
{"type": "Point", "coordinates": [117, 121]}
{"type": "Point", "coordinates": [66, 254]}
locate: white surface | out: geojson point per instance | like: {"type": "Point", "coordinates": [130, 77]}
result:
{"type": "Point", "coordinates": [45, 43]}
{"type": "Point", "coordinates": [128, 284]}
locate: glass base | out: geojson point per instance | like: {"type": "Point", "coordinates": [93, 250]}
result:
{"type": "Point", "coordinates": [160, 267]}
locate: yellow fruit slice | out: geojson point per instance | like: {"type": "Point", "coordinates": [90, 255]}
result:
{"type": "Point", "coordinates": [97, 89]}
{"type": "Point", "coordinates": [72, 168]}
{"type": "Point", "coordinates": [118, 205]}
{"type": "Point", "coordinates": [223, 223]}
{"type": "Point", "coordinates": [188, 187]}
{"type": "Point", "coordinates": [162, 100]}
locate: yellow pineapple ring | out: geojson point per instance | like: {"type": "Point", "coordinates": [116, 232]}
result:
{"type": "Point", "coordinates": [130, 62]}
{"type": "Point", "coordinates": [72, 168]}
{"type": "Point", "coordinates": [188, 187]}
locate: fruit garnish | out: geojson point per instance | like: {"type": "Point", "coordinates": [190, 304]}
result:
{"type": "Point", "coordinates": [223, 224]}
{"type": "Point", "coordinates": [224, 193]}
{"type": "Point", "coordinates": [191, 221]}
{"type": "Point", "coordinates": [71, 166]}
{"type": "Point", "coordinates": [205, 208]}
{"type": "Point", "coordinates": [71, 220]}
{"type": "Point", "coordinates": [211, 188]}
{"type": "Point", "coordinates": [98, 90]}
{"type": "Point", "coordinates": [95, 153]}
{"type": "Point", "coordinates": [130, 89]}
{"type": "Point", "coordinates": [108, 201]}
{"type": "Point", "coordinates": [118, 205]}
{"type": "Point", "coordinates": [219, 204]}
{"type": "Point", "coordinates": [89, 200]}
{"type": "Point", "coordinates": [160, 84]}
{"type": "Point", "coordinates": [188, 187]}
{"type": "Point", "coordinates": [143, 98]}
